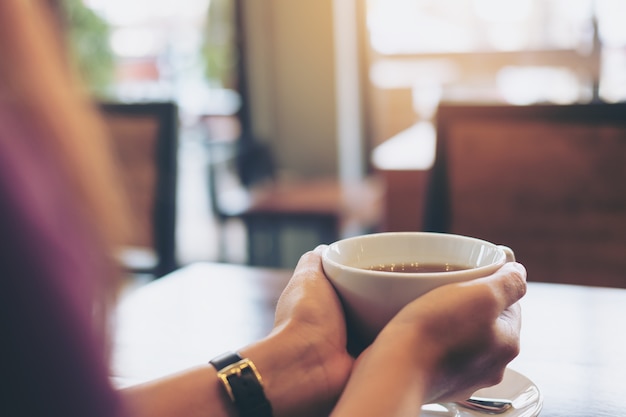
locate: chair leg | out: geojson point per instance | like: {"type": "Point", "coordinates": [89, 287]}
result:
{"type": "Point", "coordinates": [263, 241]}
{"type": "Point", "coordinates": [222, 244]}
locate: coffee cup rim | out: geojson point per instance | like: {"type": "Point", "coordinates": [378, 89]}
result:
{"type": "Point", "coordinates": [479, 270]}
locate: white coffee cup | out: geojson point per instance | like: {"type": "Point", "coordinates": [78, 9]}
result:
{"type": "Point", "coordinates": [372, 297]}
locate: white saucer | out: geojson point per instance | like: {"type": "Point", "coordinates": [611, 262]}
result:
{"type": "Point", "coordinates": [527, 400]}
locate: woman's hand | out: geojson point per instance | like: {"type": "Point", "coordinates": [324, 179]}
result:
{"type": "Point", "coordinates": [304, 361]}
{"type": "Point", "coordinates": [441, 347]}
{"type": "Point", "coordinates": [470, 331]}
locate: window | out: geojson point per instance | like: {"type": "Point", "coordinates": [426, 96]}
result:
{"type": "Point", "coordinates": [157, 45]}
{"type": "Point", "coordinates": [420, 52]}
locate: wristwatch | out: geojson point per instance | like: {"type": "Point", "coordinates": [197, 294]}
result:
{"type": "Point", "coordinates": [243, 384]}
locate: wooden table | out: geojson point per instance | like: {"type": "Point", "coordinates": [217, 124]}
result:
{"type": "Point", "coordinates": [573, 338]}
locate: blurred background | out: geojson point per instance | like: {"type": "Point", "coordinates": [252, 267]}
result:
{"type": "Point", "coordinates": [341, 89]}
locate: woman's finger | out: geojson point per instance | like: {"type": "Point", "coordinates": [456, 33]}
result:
{"type": "Point", "coordinates": [508, 284]}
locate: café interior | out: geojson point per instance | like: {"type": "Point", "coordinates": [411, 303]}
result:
{"type": "Point", "coordinates": [249, 132]}
{"type": "Point", "coordinates": [283, 126]}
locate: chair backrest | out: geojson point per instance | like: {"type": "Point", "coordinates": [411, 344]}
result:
{"type": "Point", "coordinates": [236, 168]}
{"type": "Point", "coordinates": [145, 140]}
{"type": "Point", "coordinates": [547, 180]}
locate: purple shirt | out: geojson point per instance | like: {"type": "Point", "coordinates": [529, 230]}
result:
{"type": "Point", "coordinates": [52, 361]}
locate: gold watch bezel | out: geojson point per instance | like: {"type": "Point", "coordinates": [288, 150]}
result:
{"type": "Point", "coordinates": [237, 369]}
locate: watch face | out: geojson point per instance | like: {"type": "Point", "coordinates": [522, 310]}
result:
{"type": "Point", "coordinates": [243, 384]}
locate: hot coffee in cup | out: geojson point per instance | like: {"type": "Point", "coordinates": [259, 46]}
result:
{"type": "Point", "coordinates": [376, 275]}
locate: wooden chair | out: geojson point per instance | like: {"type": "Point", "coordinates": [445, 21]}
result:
{"type": "Point", "coordinates": [284, 218]}
{"type": "Point", "coordinates": [547, 180]}
{"type": "Point", "coordinates": [145, 139]}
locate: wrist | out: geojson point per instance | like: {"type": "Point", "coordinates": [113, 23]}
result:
{"type": "Point", "coordinates": [387, 379]}
{"type": "Point", "coordinates": [412, 343]}
{"type": "Point", "coordinates": [300, 377]}
{"type": "Point", "coordinates": [418, 346]}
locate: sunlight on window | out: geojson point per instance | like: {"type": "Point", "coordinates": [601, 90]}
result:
{"type": "Point", "coordinates": [528, 85]}
{"type": "Point", "coordinates": [410, 26]}
{"type": "Point", "coordinates": [421, 26]}
{"type": "Point", "coordinates": [158, 46]}
{"type": "Point", "coordinates": [394, 74]}
{"type": "Point", "coordinates": [131, 12]}
{"type": "Point", "coordinates": [502, 10]}
{"type": "Point", "coordinates": [613, 80]}
{"type": "Point", "coordinates": [611, 15]}
{"type": "Point", "coordinates": [551, 50]}
{"type": "Point", "coordinates": [136, 42]}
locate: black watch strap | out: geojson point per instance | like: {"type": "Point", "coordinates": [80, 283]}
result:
{"type": "Point", "coordinates": [243, 385]}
